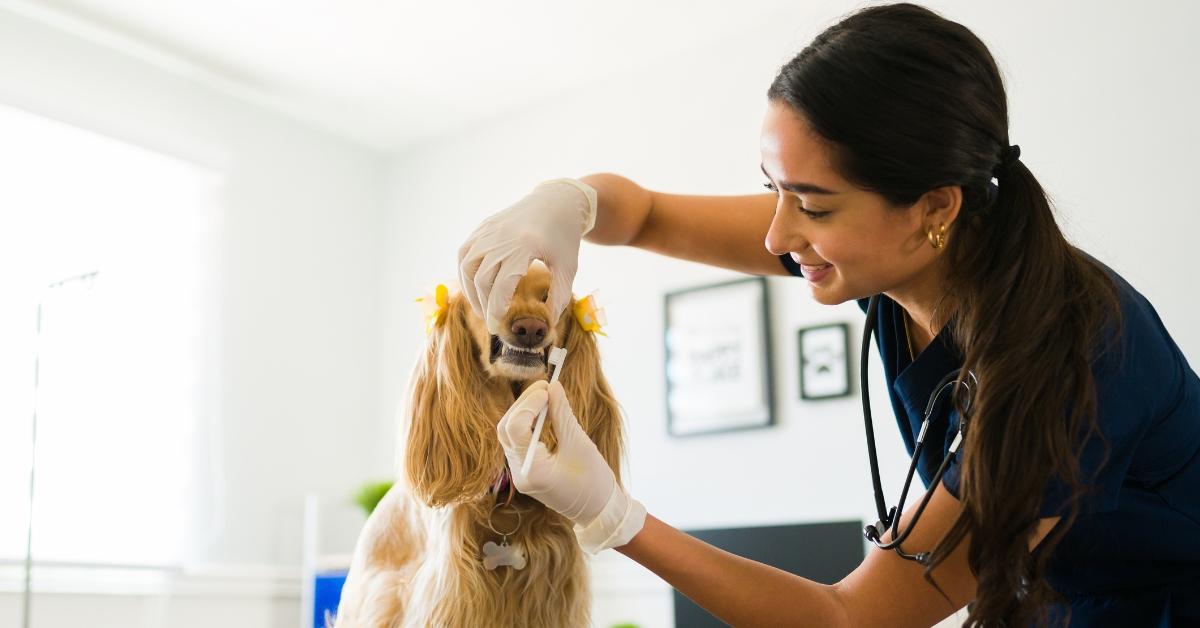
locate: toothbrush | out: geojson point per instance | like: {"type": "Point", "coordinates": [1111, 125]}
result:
{"type": "Point", "coordinates": [557, 356]}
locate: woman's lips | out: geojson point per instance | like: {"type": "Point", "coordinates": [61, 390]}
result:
{"type": "Point", "coordinates": [816, 273]}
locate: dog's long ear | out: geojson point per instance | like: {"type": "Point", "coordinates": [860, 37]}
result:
{"type": "Point", "coordinates": [450, 452]}
{"type": "Point", "coordinates": [589, 394]}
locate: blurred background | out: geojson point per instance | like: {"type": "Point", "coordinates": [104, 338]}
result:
{"type": "Point", "coordinates": [215, 218]}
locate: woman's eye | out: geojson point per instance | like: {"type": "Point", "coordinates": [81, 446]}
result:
{"type": "Point", "coordinates": [811, 214]}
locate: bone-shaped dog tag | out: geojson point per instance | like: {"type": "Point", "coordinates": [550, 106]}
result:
{"type": "Point", "coordinates": [503, 555]}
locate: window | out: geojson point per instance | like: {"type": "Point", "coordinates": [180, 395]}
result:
{"type": "Point", "coordinates": [111, 244]}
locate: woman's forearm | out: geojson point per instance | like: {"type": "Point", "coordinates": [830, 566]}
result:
{"type": "Point", "coordinates": [725, 231]}
{"type": "Point", "coordinates": [621, 208]}
{"type": "Point", "coordinates": [739, 591]}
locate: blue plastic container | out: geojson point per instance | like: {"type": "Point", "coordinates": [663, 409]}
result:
{"type": "Point", "coordinates": [326, 594]}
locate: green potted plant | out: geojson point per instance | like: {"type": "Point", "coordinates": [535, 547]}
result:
{"type": "Point", "coordinates": [369, 495]}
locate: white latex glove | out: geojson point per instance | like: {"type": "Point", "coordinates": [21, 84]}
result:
{"type": "Point", "coordinates": [548, 225]}
{"type": "Point", "coordinates": [575, 481]}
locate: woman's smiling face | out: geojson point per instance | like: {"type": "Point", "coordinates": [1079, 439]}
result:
{"type": "Point", "coordinates": [851, 243]}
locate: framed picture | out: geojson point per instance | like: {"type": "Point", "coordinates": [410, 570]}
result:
{"type": "Point", "coordinates": [718, 360]}
{"type": "Point", "coordinates": [824, 361]}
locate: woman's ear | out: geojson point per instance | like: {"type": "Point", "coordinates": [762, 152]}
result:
{"type": "Point", "coordinates": [450, 452]}
{"type": "Point", "coordinates": [589, 394]}
{"type": "Point", "coordinates": [940, 206]}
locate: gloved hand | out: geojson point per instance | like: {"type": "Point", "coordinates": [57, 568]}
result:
{"type": "Point", "coordinates": [574, 481]}
{"type": "Point", "coordinates": [547, 225]}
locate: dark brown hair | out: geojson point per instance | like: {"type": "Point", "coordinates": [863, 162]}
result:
{"type": "Point", "coordinates": [910, 101]}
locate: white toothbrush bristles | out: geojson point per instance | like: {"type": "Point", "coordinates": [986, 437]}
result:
{"type": "Point", "coordinates": [558, 355]}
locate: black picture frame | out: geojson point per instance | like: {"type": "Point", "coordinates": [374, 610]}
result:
{"type": "Point", "coordinates": [824, 360]}
{"type": "Point", "coordinates": [717, 353]}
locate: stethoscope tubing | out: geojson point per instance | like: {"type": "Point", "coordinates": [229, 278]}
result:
{"type": "Point", "coordinates": [889, 519]}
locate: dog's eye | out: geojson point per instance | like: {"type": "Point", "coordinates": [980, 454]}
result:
{"type": "Point", "coordinates": [545, 296]}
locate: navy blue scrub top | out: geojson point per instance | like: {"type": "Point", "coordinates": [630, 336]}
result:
{"type": "Point", "coordinates": [1132, 558]}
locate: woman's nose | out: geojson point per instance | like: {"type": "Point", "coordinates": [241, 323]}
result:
{"type": "Point", "coordinates": [783, 236]}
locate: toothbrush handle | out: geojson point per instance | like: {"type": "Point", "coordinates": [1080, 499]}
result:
{"type": "Point", "coordinates": [537, 435]}
{"type": "Point", "coordinates": [537, 428]}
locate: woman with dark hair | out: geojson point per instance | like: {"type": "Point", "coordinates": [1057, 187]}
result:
{"type": "Point", "coordinates": [1063, 477]}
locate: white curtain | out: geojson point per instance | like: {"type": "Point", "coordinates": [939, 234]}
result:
{"type": "Point", "coordinates": [126, 437]}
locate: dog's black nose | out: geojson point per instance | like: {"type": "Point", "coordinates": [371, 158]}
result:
{"type": "Point", "coordinates": [529, 331]}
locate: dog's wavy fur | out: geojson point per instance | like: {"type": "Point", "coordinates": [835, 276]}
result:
{"type": "Point", "coordinates": [418, 561]}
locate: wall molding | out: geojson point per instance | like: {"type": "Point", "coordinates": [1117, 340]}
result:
{"type": "Point", "coordinates": [268, 581]}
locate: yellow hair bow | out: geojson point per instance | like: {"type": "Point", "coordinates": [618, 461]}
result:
{"type": "Point", "coordinates": [435, 306]}
{"type": "Point", "coordinates": [589, 315]}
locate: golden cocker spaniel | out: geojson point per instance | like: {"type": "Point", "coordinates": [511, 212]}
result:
{"type": "Point", "coordinates": [420, 559]}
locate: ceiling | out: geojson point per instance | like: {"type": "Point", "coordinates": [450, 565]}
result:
{"type": "Point", "coordinates": [389, 74]}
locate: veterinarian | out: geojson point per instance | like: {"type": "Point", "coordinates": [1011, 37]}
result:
{"type": "Point", "coordinates": [1062, 456]}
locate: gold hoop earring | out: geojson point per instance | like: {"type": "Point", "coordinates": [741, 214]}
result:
{"type": "Point", "coordinates": [938, 240]}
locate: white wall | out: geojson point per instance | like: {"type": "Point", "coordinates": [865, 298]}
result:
{"type": "Point", "coordinates": [1102, 99]}
{"type": "Point", "coordinates": [295, 376]}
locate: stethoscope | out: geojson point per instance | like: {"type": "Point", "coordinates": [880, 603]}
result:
{"type": "Point", "coordinates": [890, 519]}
